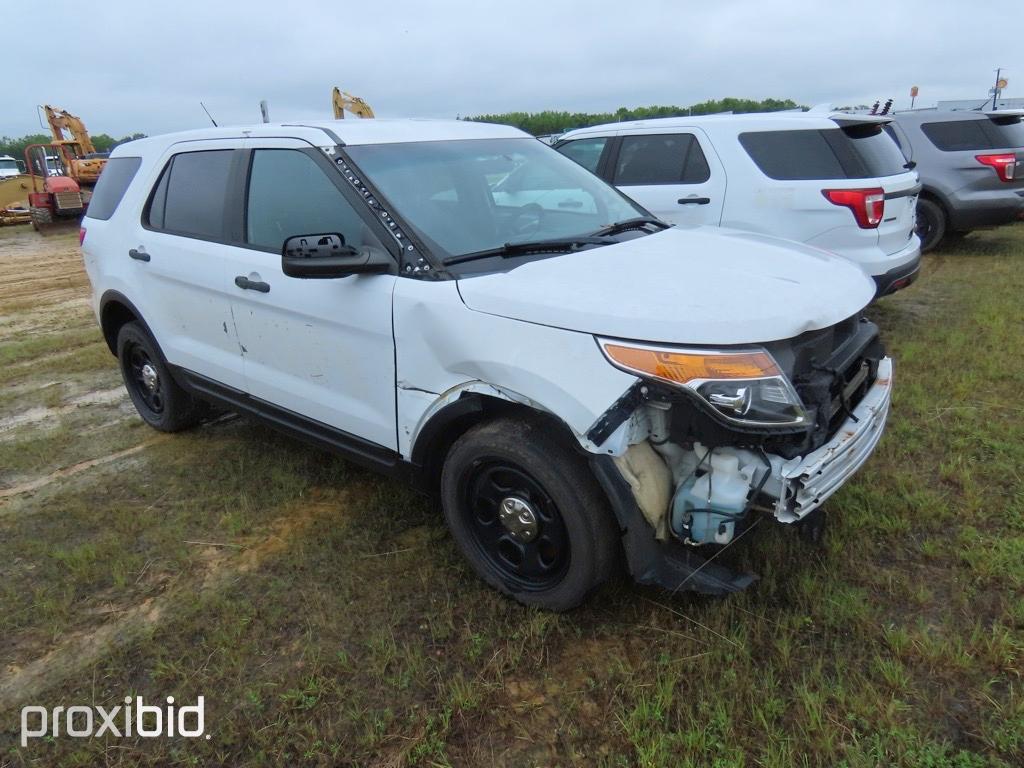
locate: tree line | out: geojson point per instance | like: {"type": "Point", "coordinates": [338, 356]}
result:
{"type": "Point", "coordinates": [16, 147]}
{"type": "Point", "coordinates": [553, 121]}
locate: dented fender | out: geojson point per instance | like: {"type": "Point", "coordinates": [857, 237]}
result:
{"type": "Point", "coordinates": [444, 349]}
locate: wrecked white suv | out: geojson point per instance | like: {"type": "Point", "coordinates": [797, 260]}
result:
{"type": "Point", "coordinates": [578, 383]}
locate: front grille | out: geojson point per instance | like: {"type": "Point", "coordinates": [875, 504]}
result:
{"type": "Point", "coordinates": [831, 370]}
{"type": "Point", "coordinates": [67, 201]}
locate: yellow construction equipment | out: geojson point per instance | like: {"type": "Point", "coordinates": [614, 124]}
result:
{"type": "Point", "coordinates": [342, 101]}
{"type": "Point", "coordinates": [84, 164]}
{"type": "Point", "coordinates": [13, 196]}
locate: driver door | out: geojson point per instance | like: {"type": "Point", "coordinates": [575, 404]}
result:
{"type": "Point", "coordinates": [322, 349]}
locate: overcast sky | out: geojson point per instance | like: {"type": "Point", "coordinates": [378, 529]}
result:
{"type": "Point", "coordinates": [144, 66]}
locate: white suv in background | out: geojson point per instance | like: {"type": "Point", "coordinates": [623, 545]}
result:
{"type": "Point", "coordinates": [576, 383]}
{"type": "Point", "coordinates": [833, 181]}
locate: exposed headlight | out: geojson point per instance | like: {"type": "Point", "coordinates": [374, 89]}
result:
{"type": "Point", "coordinates": [744, 386]}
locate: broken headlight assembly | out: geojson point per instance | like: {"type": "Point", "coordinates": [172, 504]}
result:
{"type": "Point", "coordinates": [744, 387]}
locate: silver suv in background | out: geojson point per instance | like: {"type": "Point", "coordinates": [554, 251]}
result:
{"type": "Point", "coordinates": [971, 166]}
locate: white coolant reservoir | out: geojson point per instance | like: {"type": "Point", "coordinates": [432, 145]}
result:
{"type": "Point", "coordinates": [705, 508]}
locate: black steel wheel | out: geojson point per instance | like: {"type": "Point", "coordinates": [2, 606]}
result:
{"type": "Point", "coordinates": [157, 397]}
{"type": "Point", "coordinates": [527, 513]}
{"type": "Point", "coordinates": [145, 381]}
{"type": "Point", "coordinates": [515, 524]}
{"type": "Point", "coordinates": [931, 224]}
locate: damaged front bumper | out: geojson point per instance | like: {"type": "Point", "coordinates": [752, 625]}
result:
{"type": "Point", "coordinates": [638, 490]}
{"type": "Point", "coordinates": [808, 482]}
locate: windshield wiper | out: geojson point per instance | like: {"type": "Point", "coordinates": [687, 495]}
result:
{"type": "Point", "coordinates": [626, 224]}
{"type": "Point", "coordinates": [555, 245]}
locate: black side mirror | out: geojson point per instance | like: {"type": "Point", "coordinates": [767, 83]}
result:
{"type": "Point", "coordinates": [327, 256]}
{"type": "Point", "coordinates": [910, 165]}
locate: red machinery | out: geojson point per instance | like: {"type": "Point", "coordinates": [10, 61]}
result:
{"type": "Point", "coordinates": [56, 200]}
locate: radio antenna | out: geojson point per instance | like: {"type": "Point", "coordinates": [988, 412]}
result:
{"type": "Point", "coordinates": [208, 114]}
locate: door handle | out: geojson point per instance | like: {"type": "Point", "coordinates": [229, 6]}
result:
{"type": "Point", "coordinates": [694, 200]}
{"type": "Point", "coordinates": [138, 254]}
{"type": "Point", "coordinates": [246, 284]}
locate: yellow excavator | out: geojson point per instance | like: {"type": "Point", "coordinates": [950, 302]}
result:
{"type": "Point", "coordinates": [342, 101]}
{"type": "Point", "coordinates": [83, 163]}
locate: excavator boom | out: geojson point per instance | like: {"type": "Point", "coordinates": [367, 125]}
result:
{"type": "Point", "coordinates": [75, 146]}
{"type": "Point", "coordinates": [67, 127]}
{"type": "Point", "coordinates": [342, 101]}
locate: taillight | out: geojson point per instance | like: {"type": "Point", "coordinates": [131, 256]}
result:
{"type": "Point", "coordinates": [1005, 165]}
{"type": "Point", "coordinates": [81, 235]}
{"type": "Point", "coordinates": [868, 205]}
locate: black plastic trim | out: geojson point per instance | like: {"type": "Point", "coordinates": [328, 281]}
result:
{"type": "Point", "coordinates": [885, 282]}
{"type": "Point", "coordinates": [359, 450]}
{"type": "Point", "coordinates": [116, 296]}
{"type": "Point", "coordinates": [914, 190]}
{"type": "Point", "coordinates": [665, 564]}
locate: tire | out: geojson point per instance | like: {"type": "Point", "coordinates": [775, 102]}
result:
{"type": "Point", "coordinates": [931, 224]}
{"type": "Point", "coordinates": [521, 466]}
{"type": "Point", "coordinates": [41, 217]}
{"type": "Point", "coordinates": [157, 397]}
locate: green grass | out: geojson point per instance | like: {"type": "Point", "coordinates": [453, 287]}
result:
{"type": "Point", "coordinates": [328, 619]}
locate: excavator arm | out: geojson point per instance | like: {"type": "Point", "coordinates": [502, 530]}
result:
{"type": "Point", "coordinates": [75, 146]}
{"type": "Point", "coordinates": [68, 128]}
{"type": "Point", "coordinates": [342, 101]}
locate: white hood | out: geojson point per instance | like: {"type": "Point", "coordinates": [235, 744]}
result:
{"type": "Point", "coordinates": [702, 285]}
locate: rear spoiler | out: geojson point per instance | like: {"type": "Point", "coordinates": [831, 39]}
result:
{"type": "Point", "coordinates": [845, 120]}
{"type": "Point", "coordinates": [1005, 116]}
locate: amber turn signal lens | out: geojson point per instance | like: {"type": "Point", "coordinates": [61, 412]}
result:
{"type": "Point", "coordinates": [683, 367]}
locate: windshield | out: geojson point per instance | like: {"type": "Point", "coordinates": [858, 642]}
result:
{"type": "Point", "coordinates": [8, 165]}
{"type": "Point", "coordinates": [475, 195]}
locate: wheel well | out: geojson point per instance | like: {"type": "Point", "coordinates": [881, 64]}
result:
{"type": "Point", "coordinates": [928, 194]}
{"type": "Point", "coordinates": [113, 317]}
{"type": "Point", "coordinates": [440, 433]}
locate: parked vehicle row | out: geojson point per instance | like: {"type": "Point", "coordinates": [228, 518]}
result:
{"type": "Point", "coordinates": [834, 181]}
{"type": "Point", "coordinates": [932, 173]}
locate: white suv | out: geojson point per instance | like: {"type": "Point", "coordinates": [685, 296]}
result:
{"type": "Point", "coordinates": [576, 383]}
{"type": "Point", "coordinates": [834, 181]}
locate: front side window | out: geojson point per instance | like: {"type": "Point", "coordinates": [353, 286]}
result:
{"type": "Point", "coordinates": [586, 152]}
{"type": "Point", "coordinates": [191, 195]}
{"type": "Point", "coordinates": [289, 194]}
{"type": "Point", "coordinates": [467, 196]}
{"type": "Point", "coordinates": [663, 159]}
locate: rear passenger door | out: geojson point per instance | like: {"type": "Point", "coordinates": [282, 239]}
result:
{"type": "Point", "coordinates": [676, 176]}
{"type": "Point", "coordinates": [177, 268]}
{"type": "Point", "coordinates": [322, 350]}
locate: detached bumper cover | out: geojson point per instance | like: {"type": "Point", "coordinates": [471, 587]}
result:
{"type": "Point", "coordinates": [807, 482]}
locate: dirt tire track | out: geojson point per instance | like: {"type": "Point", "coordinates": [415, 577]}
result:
{"type": "Point", "coordinates": [74, 469]}
{"type": "Point", "coordinates": [80, 650]}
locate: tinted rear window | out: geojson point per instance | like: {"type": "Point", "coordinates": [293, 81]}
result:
{"type": "Point", "coordinates": [974, 135]}
{"type": "Point", "coordinates": [673, 158]}
{"type": "Point", "coordinates": [190, 197]}
{"type": "Point", "coordinates": [113, 183]}
{"type": "Point", "coordinates": [859, 151]}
